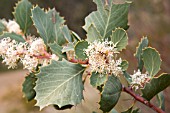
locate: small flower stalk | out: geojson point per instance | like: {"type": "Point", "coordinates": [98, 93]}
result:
{"type": "Point", "coordinates": [103, 58]}
{"type": "Point", "coordinates": [139, 80]}
{"type": "Point", "coordinates": [31, 54]}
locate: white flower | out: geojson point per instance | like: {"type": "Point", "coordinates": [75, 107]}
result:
{"type": "Point", "coordinates": [37, 47]}
{"type": "Point", "coordinates": [54, 57]}
{"type": "Point", "coordinates": [29, 62]}
{"type": "Point", "coordinates": [12, 26]}
{"type": "Point", "coordinates": [4, 45]}
{"type": "Point", "coordinates": [102, 58]}
{"type": "Point", "coordinates": [139, 79]}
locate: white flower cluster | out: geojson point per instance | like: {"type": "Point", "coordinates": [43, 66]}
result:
{"type": "Point", "coordinates": [30, 54]}
{"type": "Point", "coordinates": [103, 57]}
{"type": "Point", "coordinates": [139, 79]}
{"type": "Point", "coordinates": [12, 26]}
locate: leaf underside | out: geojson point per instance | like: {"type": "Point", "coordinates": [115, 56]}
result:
{"type": "Point", "coordinates": [59, 83]}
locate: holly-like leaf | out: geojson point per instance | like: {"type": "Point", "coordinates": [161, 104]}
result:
{"type": "Point", "coordinates": [107, 18]}
{"type": "Point", "coordinates": [152, 60]}
{"type": "Point", "coordinates": [124, 65]}
{"type": "Point", "coordinates": [28, 85]}
{"type": "Point", "coordinates": [2, 27]}
{"type": "Point", "coordinates": [155, 86]}
{"type": "Point", "coordinates": [22, 14]}
{"type": "Point", "coordinates": [113, 111]}
{"type": "Point", "coordinates": [127, 76]}
{"type": "Point", "coordinates": [79, 49]}
{"type": "Point", "coordinates": [43, 23]}
{"type": "Point", "coordinates": [13, 36]}
{"type": "Point", "coordinates": [139, 51]}
{"type": "Point", "coordinates": [59, 83]}
{"type": "Point", "coordinates": [161, 100]}
{"type": "Point", "coordinates": [93, 34]}
{"type": "Point", "coordinates": [56, 49]}
{"type": "Point", "coordinates": [97, 79]}
{"type": "Point", "coordinates": [119, 38]}
{"type": "Point", "coordinates": [110, 94]}
{"type": "Point", "coordinates": [75, 36]}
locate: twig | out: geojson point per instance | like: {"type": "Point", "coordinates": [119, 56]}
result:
{"type": "Point", "coordinates": [142, 100]}
{"type": "Point", "coordinates": [79, 61]}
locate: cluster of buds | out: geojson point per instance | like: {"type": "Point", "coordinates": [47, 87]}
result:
{"type": "Point", "coordinates": [31, 54]}
{"type": "Point", "coordinates": [139, 79]}
{"type": "Point", "coordinates": [103, 58]}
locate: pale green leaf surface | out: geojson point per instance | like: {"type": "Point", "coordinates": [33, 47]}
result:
{"type": "Point", "coordinates": [113, 111]}
{"type": "Point", "coordinates": [119, 38]}
{"type": "Point", "coordinates": [59, 83]}
{"type": "Point", "coordinates": [28, 87]}
{"type": "Point", "coordinates": [93, 34]}
{"type": "Point", "coordinates": [43, 23]}
{"type": "Point", "coordinates": [155, 86]}
{"type": "Point", "coordinates": [22, 14]}
{"type": "Point", "coordinates": [79, 49]}
{"type": "Point", "coordinates": [110, 94]}
{"type": "Point", "coordinates": [13, 36]}
{"type": "Point", "coordinates": [97, 79]}
{"type": "Point", "coordinates": [107, 19]}
{"type": "Point", "coordinates": [139, 50]}
{"type": "Point", "coordinates": [152, 61]}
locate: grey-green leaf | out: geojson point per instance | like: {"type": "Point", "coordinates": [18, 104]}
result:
{"type": "Point", "coordinates": [161, 100]}
{"type": "Point", "coordinates": [124, 65]}
{"type": "Point", "coordinates": [119, 38]}
{"type": "Point", "coordinates": [13, 36]}
{"type": "Point", "coordinates": [97, 79]}
{"type": "Point", "coordinates": [139, 51]}
{"type": "Point", "coordinates": [68, 47]}
{"type": "Point", "coordinates": [79, 49]}
{"type": "Point", "coordinates": [155, 86]}
{"type": "Point", "coordinates": [56, 49]}
{"type": "Point", "coordinates": [152, 61]}
{"type": "Point", "coordinates": [59, 83]}
{"type": "Point", "coordinates": [110, 94]}
{"type": "Point", "coordinates": [106, 19]}
{"type": "Point", "coordinates": [2, 27]}
{"type": "Point", "coordinates": [28, 85]}
{"type": "Point", "coordinates": [22, 14]}
{"type": "Point", "coordinates": [93, 34]}
{"type": "Point", "coordinates": [43, 23]}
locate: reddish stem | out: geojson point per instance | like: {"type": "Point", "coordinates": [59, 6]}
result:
{"type": "Point", "coordinates": [142, 100]}
{"type": "Point", "coordinates": [79, 61]}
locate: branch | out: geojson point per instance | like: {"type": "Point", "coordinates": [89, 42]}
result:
{"type": "Point", "coordinates": [79, 61]}
{"type": "Point", "coordinates": [142, 100]}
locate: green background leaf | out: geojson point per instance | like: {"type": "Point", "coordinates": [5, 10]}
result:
{"type": "Point", "coordinates": [155, 86]}
{"type": "Point", "coordinates": [152, 60]}
{"type": "Point", "coordinates": [161, 100]}
{"type": "Point", "coordinates": [124, 65]}
{"type": "Point", "coordinates": [119, 38]}
{"type": "Point", "coordinates": [28, 85]}
{"type": "Point", "coordinates": [79, 49]}
{"type": "Point", "coordinates": [106, 19]}
{"type": "Point", "coordinates": [22, 14]}
{"type": "Point", "coordinates": [59, 83]}
{"type": "Point", "coordinates": [139, 51]}
{"type": "Point", "coordinates": [110, 94]}
{"type": "Point", "coordinates": [97, 79]}
{"type": "Point", "coordinates": [13, 36]}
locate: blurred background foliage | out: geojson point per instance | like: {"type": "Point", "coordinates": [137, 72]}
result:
{"type": "Point", "coordinates": [149, 18]}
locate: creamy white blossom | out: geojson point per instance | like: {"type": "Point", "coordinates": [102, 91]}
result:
{"type": "Point", "coordinates": [12, 26]}
{"type": "Point", "coordinates": [139, 79]}
{"type": "Point", "coordinates": [37, 47]}
{"type": "Point", "coordinates": [31, 54]}
{"type": "Point", "coordinates": [103, 57]}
